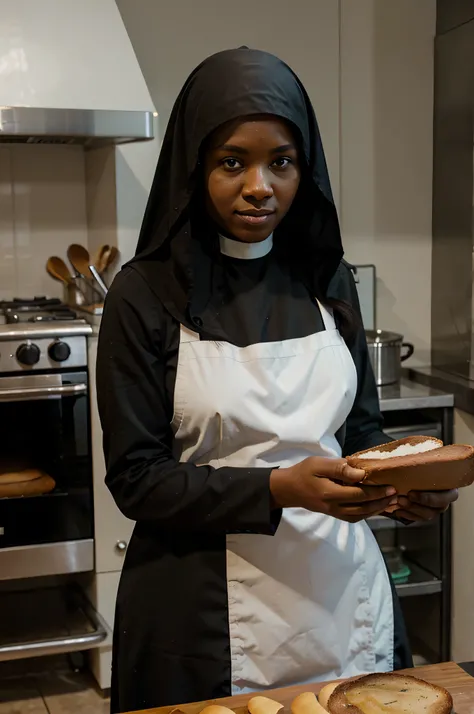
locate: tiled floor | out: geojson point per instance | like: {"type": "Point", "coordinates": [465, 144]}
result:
{"type": "Point", "coordinates": [48, 687]}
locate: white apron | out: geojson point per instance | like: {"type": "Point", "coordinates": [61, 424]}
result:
{"type": "Point", "coordinates": [314, 601]}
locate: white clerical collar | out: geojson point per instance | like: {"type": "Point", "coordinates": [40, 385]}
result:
{"type": "Point", "coordinates": [245, 251]}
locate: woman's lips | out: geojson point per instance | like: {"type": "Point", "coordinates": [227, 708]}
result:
{"type": "Point", "coordinates": [254, 219]}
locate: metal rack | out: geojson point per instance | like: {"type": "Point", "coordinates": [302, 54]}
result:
{"type": "Point", "coordinates": [426, 595]}
{"type": "Point", "coordinates": [49, 620]}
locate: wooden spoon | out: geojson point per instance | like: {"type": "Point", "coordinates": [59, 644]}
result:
{"type": "Point", "coordinates": [80, 260]}
{"type": "Point", "coordinates": [99, 259]}
{"type": "Point", "coordinates": [58, 270]}
{"type": "Point", "coordinates": [108, 258]}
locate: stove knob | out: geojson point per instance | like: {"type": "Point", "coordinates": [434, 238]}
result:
{"type": "Point", "coordinates": [28, 354]}
{"type": "Point", "coordinates": [59, 351]}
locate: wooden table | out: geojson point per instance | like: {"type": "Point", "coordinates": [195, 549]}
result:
{"type": "Point", "coordinates": [449, 675]}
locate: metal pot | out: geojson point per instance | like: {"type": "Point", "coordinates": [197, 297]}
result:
{"type": "Point", "coordinates": [385, 351]}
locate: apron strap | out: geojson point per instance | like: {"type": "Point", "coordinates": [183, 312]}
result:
{"type": "Point", "coordinates": [187, 335]}
{"type": "Point", "coordinates": [328, 317]}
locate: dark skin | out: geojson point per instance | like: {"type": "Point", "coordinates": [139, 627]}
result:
{"type": "Point", "coordinates": [251, 167]}
{"type": "Point", "coordinates": [252, 172]}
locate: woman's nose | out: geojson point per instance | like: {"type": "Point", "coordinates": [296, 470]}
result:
{"type": "Point", "coordinates": [257, 184]}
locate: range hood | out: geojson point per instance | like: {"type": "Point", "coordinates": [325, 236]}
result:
{"type": "Point", "coordinates": [69, 75]}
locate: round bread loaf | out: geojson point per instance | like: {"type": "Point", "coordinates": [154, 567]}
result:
{"type": "Point", "coordinates": [389, 694]}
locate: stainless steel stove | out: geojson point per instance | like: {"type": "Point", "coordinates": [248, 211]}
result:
{"type": "Point", "coordinates": [41, 334]}
{"type": "Point", "coordinates": [44, 413]}
{"type": "Point", "coordinates": [46, 485]}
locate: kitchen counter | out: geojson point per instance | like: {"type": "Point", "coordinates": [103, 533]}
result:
{"type": "Point", "coordinates": [455, 678]}
{"type": "Point", "coordinates": [413, 395]}
{"type": "Point", "coordinates": [461, 387]}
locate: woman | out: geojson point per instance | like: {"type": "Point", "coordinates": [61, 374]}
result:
{"type": "Point", "coordinates": [227, 395]}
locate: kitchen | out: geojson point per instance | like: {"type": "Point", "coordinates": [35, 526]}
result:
{"type": "Point", "coordinates": [369, 71]}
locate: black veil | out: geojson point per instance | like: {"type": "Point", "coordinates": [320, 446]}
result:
{"type": "Point", "coordinates": [177, 247]}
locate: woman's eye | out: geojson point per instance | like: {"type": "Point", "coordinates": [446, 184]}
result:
{"type": "Point", "coordinates": [282, 163]}
{"type": "Point", "coordinates": [231, 164]}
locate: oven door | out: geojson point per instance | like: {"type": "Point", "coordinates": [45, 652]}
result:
{"type": "Point", "coordinates": [46, 527]}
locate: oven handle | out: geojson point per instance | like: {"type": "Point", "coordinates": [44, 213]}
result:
{"type": "Point", "coordinates": [36, 393]}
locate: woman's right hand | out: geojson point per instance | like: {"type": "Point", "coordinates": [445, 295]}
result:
{"type": "Point", "coordinates": [329, 486]}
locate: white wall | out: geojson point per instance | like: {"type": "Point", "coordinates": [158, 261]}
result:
{"type": "Point", "coordinates": [52, 196]}
{"type": "Point", "coordinates": [387, 153]}
{"type": "Point", "coordinates": [42, 211]}
{"type": "Point", "coordinates": [368, 67]}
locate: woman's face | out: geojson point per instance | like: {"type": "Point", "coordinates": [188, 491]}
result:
{"type": "Point", "coordinates": [252, 174]}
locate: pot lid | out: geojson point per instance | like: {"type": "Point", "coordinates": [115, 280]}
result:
{"type": "Point", "coordinates": [382, 337]}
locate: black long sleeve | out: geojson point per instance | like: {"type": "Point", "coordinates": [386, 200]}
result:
{"type": "Point", "coordinates": [147, 483]}
{"type": "Point", "coordinates": [364, 426]}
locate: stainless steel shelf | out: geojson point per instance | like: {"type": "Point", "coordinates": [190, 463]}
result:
{"type": "Point", "coordinates": [420, 582]}
{"type": "Point", "coordinates": [48, 621]}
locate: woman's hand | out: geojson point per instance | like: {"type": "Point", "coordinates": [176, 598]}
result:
{"type": "Point", "coordinates": [329, 486]}
{"type": "Point", "coordinates": [426, 505]}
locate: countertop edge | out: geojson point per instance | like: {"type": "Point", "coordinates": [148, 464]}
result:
{"type": "Point", "coordinates": [461, 388]}
{"type": "Point", "coordinates": [411, 395]}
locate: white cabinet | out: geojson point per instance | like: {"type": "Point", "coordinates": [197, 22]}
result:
{"type": "Point", "coordinates": [112, 535]}
{"type": "Point", "coordinates": [112, 529]}
{"type": "Point", "coordinates": [103, 594]}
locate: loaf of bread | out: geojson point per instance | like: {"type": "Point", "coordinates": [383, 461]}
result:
{"type": "Point", "coordinates": [389, 694]}
{"type": "Point", "coordinates": [30, 482]}
{"type": "Point", "coordinates": [20, 476]}
{"type": "Point", "coordinates": [417, 463]}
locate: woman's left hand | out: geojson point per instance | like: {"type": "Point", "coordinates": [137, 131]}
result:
{"type": "Point", "coordinates": [425, 505]}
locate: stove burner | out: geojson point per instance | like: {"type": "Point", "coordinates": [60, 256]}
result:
{"type": "Point", "coordinates": [31, 303]}
{"type": "Point", "coordinates": [53, 316]}
{"type": "Point", "coordinates": [37, 309]}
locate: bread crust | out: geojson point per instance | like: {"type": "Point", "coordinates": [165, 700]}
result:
{"type": "Point", "coordinates": [338, 703]}
{"type": "Point", "coordinates": [440, 469]}
{"type": "Point", "coordinates": [20, 476]}
{"type": "Point", "coordinates": [33, 487]}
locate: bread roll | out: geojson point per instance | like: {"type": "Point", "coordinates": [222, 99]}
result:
{"type": "Point", "coordinates": [216, 709]}
{"type": "Point", "coordinates": [263, 705]}
{"type": "Point", "coordinates": [33, 487]}
{"type": "Point", "coordinates": [389, 694]}
{"type": "Point", "coordinates": [20, 476]}
{"type": "Point", "coordinates": [307, 703]}
{"type": "Point", "coordinates": [325, 693]}
{"type": "Point", "coordinates": [418, 463]}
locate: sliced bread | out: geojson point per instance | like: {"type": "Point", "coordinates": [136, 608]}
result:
{"type": "Point", "coordinates": [389, 694]}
